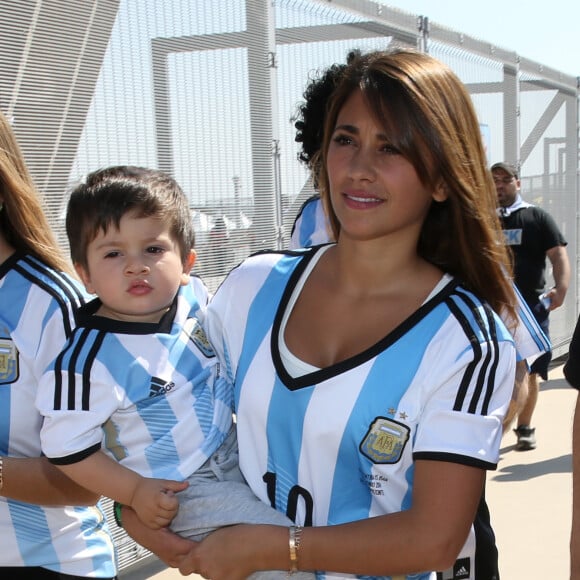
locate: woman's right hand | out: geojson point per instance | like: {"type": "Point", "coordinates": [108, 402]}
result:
{"type": "Point", "coordinates": [170, 548]}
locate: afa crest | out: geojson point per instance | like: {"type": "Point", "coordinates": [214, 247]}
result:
{"type": "Point", "coordinates": [9, 368]}
{"type": "Point", "coordinates": [197, 335]}
{"type": "Point", "coordinates": [385, 440]}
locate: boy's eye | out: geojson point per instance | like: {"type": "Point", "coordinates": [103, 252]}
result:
{"type": "Point", "coordinates": [112, 254]}
{"type": "Point", "coordinates": [154, 250]}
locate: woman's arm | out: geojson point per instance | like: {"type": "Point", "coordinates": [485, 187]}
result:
{"type": "Point", "coordinates": [35, 480]}
{"type": "Point", "coordinates": [428, 536]}
{"type": "Point", "coordinates": [167, 546]}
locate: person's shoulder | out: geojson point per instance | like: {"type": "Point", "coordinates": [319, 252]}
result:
{"type": "Point", "coordinates": [199, 290]}
{"type": "Point", "coordinates": [266, 259]}
{"type": "Point", "coordinates": [310, 205]}
{"type": "Point", "coordinates": [468, 301]}
{"type": "Point", "coordinates": [537, 213]}
{"type": "Point", "coordinates": [543, 219]}
{"type": "Point", "coordinates": [312, 201]}
{"type": "Point", "coordinates": [258, 266]}
{"type": "Point", "coordinates": [60, 291]}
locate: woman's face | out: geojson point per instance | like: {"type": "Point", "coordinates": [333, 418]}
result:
{"type": "Point", "coordinates": [375, 192]}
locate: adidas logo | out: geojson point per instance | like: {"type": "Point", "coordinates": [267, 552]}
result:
{"type": "Point", "coordinates": [159, 387]}
{"type": "Point", "coordinates": [460, 571]}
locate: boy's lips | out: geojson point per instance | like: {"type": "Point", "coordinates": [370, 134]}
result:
{"type": "Point", "coordinates": [139, 287]}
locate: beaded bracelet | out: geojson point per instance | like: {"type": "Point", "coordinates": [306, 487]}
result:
{"type": "Point", "coordinates": [294, 544]}
{"type": "Point", "coordinates": [1, 472]}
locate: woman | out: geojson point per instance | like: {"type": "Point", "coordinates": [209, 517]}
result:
{"type": "Point", "coordinates": [37, 305]}
{"type": "Point", "coordinates": [372, 375]}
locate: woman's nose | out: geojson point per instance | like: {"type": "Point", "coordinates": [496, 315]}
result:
{"type": "Point", "coordinates": [361, 165]}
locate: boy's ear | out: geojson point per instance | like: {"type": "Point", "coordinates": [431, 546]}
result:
{"type": "Point", "coordinates": [84, 276]}
{"type": "Point", "coordinates": [188, 266]}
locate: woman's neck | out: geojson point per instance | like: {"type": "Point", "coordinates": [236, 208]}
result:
{"type": "Point", "coordinates": [372, 269]}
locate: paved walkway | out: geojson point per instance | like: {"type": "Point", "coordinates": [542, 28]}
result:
{"type": "Point", "coordinates": [529, 495]}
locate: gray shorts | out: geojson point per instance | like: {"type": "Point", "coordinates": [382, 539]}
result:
{"type": "Point", "coordinates": [218, 496]}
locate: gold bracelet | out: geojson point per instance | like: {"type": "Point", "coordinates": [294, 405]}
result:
{"type": "Point", "coordinates": [294, 543]}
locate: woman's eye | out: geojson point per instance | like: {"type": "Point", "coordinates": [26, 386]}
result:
{"type": "Point", "coordinates": [342, 139]}
{"type": "Point", "coordinates": [390, 149]}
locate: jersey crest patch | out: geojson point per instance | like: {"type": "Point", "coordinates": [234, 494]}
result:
{"type": "Point", "coordinates": [9, 367]}
{"type": "Point", "coordinates": [197, 335]}
{"type": "Point", "coordinates": [385, 440]}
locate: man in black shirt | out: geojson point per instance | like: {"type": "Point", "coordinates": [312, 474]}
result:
{"type": "Point", "coordinates": [532, 235]}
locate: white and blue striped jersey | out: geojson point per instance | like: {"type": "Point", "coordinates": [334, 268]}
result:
{"type": "Point", "coordinates": [339, 444]}
{"type": "Point", "coordinates": [311, 227]}
{"type": "Point", "coordinates": [150, 395]}
{"type": "Point", "coordinates": [36, 317]}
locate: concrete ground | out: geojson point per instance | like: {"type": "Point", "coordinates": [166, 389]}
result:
{"type": "Point", "coordinates": [529, 495]}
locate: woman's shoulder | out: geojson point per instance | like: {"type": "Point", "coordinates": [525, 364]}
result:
{"type": "Point", "coordinates": [264, 271]}
{"type": "Point", "coordinates": [267, 260]}
{"type": "Point", "coordinates": [25, 273]}
{"type": "Point", "coordinates": [475, 315]}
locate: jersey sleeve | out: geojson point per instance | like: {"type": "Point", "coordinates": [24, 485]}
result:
{"type": "Point", "coordinates": [75, 409]}
{"type": "Point", "coordinates": [47, 327]}
{"type": "Point", "coordinates": [529, 338]}
{"type": "Point", "coordinates": [467, 392]}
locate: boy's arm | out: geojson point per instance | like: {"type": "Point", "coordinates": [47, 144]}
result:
{"type": "Point", "coordinates": [152, 499]}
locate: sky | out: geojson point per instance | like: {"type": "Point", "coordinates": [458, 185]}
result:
{"type": "Point", "coordinates": [540, 30]}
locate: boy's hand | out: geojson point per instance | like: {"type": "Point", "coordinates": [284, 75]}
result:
{"type": "Point", "coordinates": [154, 501]}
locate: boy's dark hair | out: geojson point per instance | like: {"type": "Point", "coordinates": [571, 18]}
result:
{"type": "Point", "coordinates": [108, 194]}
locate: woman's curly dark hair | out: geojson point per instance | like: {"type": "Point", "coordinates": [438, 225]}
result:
{"type": "Point", "coordinates": [312, 111]}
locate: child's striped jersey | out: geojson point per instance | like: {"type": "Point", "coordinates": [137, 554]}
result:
{"type": "Point", "coordinates": [149, 394]}
{"type": "Point", "coordinates": [339, 444]}
{"type": "Point", "coordinates": [36, 317]}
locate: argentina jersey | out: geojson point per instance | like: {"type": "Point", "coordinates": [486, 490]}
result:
{"type": "Point", "coordinates": [151, 395]}
{"type": "Point", "coordinates": [37, 316]}
{"type": "Point", "coordinates": [339, 444]}
{"type": "Point", "coordinates": [311, 226]}
{"type": "Point", "coordinates": [529, 338]}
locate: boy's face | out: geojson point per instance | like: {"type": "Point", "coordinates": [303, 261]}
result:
{"type": "Point", "coordinates": [135, 270]}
